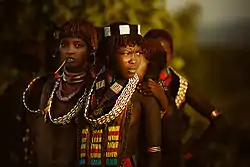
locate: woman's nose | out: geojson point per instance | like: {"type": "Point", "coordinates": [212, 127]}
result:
{"type": "Point", "coordinates": [132, 59]}
{"type": "Point", "coordinates": [70, 50]}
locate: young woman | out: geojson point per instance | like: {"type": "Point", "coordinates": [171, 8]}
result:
{"type": "Point", "coordinates": [63, 96]}
{"type": "Point", "coordinates": [152, 64]}
{"type": "Point", "coordinates": [116, 116]}
{"type": "Point", "coordinates": [183, 93]}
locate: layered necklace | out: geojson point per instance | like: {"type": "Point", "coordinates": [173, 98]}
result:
{"type": "Point", "coordinates": [68, 78]}
{"type": "Point", "coordinates": [119, 106]}
{"type": "Point", "coordinates": [65, 119]}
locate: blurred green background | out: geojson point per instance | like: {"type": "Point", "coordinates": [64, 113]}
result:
{"type": "Point", "coordinates": [217, 68]}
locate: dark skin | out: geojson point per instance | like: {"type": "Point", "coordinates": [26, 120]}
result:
{"type": "Point", "coordinates": [142, 68]}
{"type": "Point", "coordinates": [75, 49]}
{"type": "Point", "coordinates": [128, 60]}
{"type": "Point", "coordinates": [152, 88]}
{"type": "Point", "coordinates": [169, 53]}
{"type": "Point", "coordinates": [171, 155]}
{"type": "Point", "coordinates": [196, 101]}
{"type": "Point", "coordinates": [57, 144]}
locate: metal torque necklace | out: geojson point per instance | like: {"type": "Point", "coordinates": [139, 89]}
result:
{"type": "Point", "coordinates": [71, 79]}
{"type": "Point", "coordinates": [119, 106]}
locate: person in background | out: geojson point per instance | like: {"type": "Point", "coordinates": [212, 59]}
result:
{"type": "Point", "coordinates": [152, 64]}
{"type": "Point", "coordinates": [184, 93]}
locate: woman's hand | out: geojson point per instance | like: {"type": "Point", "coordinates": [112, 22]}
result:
{"type": "Point", "coordinates": [152, 88]}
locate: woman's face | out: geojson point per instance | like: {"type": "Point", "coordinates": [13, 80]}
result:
{"type": "Point", "coordinates": [169, 53]}
{"type": "Point", "coordinates": [75, 51]}
{"type": "Point", "coordinates": [128, 60]}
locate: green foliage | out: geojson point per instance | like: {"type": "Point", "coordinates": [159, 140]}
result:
{"type": "Point", "coordinates": [32, 19]}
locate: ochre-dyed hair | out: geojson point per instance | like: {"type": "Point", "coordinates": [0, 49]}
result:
{"type": "Point", "coordinates": [156, 56]}
{"type": "Point", "coordinates": [108, 45]}
{"type": "Point", "coordinates": [78, 28]}
{"type": "Point", "coordinates": [98, 32]}
{"type": "Point", "coordinates": [161, 35]}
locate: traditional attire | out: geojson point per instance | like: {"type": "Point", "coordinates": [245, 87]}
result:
{"type": "Point", "coordinates": [62, 97]}
{"type": "Point", "coordinates": [55, 129]}
{"type": "Point", "coordinates": [183, 93]}
{"type": "Point", "coordinates": [117, 119]}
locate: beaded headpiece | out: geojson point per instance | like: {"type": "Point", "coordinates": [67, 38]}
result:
{"type": "Point", "coordinates": [122, 29]}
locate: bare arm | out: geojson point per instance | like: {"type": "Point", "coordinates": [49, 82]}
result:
{"type": "Point", "coordinates": [151, 111]}
{"type": "Point", "coordinates": [218, 123]}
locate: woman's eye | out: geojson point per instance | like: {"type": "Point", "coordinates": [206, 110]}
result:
{"type": "Point", "coordinates": [78, 45]}
{"type": "Point", "coordinates": [124, 53]}
{"type": "Point", "coordinates": [139, 53]}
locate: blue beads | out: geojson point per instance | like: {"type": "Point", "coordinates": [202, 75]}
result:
{"type": "Point", "coordinates": [82, 162]}
{"type": "Point", "coordinates": [95, 162]}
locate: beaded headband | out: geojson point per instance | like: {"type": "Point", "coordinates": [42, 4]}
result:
{"type": "Point", "coordinates": [121, 30]}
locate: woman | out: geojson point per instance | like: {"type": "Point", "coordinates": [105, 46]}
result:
{"type": "Point", "coordinates": [115, 113]}
{"type": "Point", "coordinates": [63, 96]}
{"type": "Point", "coordinates": [184, 93]}
{"type": "Point", "coordinates": [152, 64]}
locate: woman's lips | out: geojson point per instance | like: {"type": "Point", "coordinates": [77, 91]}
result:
{"type": "Point", "coordinates": [70, 60]}
{"type": "Point", "coordinates": [132, 71]}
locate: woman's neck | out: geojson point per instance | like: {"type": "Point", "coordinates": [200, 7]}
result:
{"type": "Point", "coordinates": [71, 77]}
{"type": "Point", "coordinates": [75, 70]}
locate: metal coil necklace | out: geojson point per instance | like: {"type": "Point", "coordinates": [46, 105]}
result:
{"type": "Point", "coordinates": [65, 119]}
{"type": "Point", "coordinates": [119, 106]}
{"type": "Point", "coordinates": [24, 97]}
{"type": "Point", "coordinates": [47, 111]}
